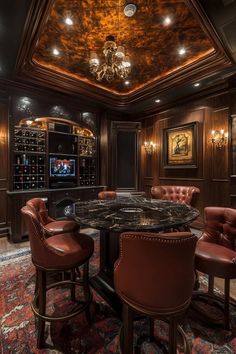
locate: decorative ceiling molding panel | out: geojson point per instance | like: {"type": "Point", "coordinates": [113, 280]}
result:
{"type": "Point", "coordinates": [57, 54]}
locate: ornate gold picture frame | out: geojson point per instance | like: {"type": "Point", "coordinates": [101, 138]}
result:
{"type": "Point", "coordinates": [180, 146]}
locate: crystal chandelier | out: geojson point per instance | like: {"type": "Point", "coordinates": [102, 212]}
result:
{"type": "Point", "coordinates": [116, 64]}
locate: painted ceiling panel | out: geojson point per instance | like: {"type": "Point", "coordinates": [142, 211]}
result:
{"type": "Point", "coordinates": [152, 46]}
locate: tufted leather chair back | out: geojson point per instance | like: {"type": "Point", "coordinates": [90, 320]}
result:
{"type": "Point", "coordinates": [36, 237]}
{"type": "Point", "coordinates": [38, 206]}
{"type": "Point", "coordinates": [220, 226]}
{"type": "Point", "coordinates": [179, 194]}
{"type": "Point", "coordinates": [107, 195]}
{"type": "Point", "coordinates": [46, 252]}
{"type": "Point", "coordinates": [155, 272]}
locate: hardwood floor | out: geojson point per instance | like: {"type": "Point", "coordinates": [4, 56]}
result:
{"type": "Point", "coordinates": [6, 246]}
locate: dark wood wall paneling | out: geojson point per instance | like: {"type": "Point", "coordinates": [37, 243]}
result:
{"type": "Point", "coordinates": [232, 156]}
{"type": "Point", "coordinates": [213, 168]}
{"type": "Point", "coordinates": [3, 167]}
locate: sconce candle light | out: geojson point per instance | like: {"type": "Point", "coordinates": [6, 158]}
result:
{"type": "Point", "coordinates": [219, 138]}
{"type": "Point", "coordinates": [2, 138]}
{"type": "Point", "coordinates": [149, 147]}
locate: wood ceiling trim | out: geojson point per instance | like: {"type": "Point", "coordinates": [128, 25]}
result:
{"type": "Point", "coordinates": [27, 70]}
{"type": "Point", "coordinates": [59, 82]}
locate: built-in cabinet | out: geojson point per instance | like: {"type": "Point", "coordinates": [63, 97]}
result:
{"type": "Point", "coordinates": [45, 158]}
{"type": "Point", "coordinates": [49, 145]}
{"type": "Point", "coordinates": [56, 161]}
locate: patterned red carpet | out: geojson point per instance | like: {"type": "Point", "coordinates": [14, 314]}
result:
{"type": "Point", "coordinates": [17, 329]}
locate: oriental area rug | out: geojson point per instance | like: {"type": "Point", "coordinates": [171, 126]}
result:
{"type": "Point", "coordinates": [17, 323]}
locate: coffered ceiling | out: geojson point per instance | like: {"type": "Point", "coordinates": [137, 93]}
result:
{"type": "Point", "coordinates": [170, 43]}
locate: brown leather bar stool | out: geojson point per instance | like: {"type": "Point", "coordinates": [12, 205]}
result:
{"type": "Point", "coordinates": [50, 225]}
{"type": "Point", "coordinates": [107, 195]}
{"type": "Point", "coordinates": [58, 253]}
{"type": "Point", "coordinates": [178, 194]}
{"type": "Point", "coordinates": [216, 252]}
{"type": "Point", "coordinates": [154, 276]}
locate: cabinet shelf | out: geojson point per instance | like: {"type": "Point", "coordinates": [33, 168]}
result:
{"type": "Point", "coordinates": [29, 165]}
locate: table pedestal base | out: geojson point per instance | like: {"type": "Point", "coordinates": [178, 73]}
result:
{"type": "Point", "coordinates": [103, 281]}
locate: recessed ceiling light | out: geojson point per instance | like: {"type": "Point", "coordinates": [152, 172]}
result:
{"type": "Point", "coordinates": [127, 82]}
{"type": "Point", "coordinates": [130, 10]}
{"type": "Point", "coordinates": [167, 21]}
{"type": "Point", "coordinates": [182, 51]}
{"type": "Point", "coordinates": [69, 21]}
{"type": "Point", "coordinates": [56, 51]}
{"type": "Point", "coordinates": [197, 84]}
{"type": "Point", "coordinates": [158, 100]}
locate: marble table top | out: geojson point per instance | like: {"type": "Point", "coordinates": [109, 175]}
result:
{"type": "Point", "coordinates": [135, 213]}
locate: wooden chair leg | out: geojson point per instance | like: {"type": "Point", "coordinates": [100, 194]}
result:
{"type": "Point", "coordinates": [72, 289]}
{"type": "Point", "coordinates": [210, 284]}
{"type": "Point", "coordinates": [173, 335]}
{"type": "Point", "coordinates": [151, 328]}
{"type": "Point", "coordinates": [41, 306]}
{"type": "Point", "coordinates": [36, 289]}
{"type": "Point", "coordinates": [127, 345]}
{"type": "Point", "coordinates": [226, 304]}
{"type": "Point", "coordinates": [87, 291]}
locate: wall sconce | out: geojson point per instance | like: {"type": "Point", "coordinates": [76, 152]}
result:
{"type": "Point", "coordinates": [2, 138]}
{"type": "Point", "coordinates": [149, 147]}
{"type": "Point", "coordinates": [219, 138]}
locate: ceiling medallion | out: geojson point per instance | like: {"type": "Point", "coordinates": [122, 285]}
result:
{"type": "Point", "coordinates": [116, 64]}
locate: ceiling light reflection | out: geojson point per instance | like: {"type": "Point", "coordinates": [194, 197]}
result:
{"type": "Point", "coordinates": [182, 51]}
{"type": "Point", "coordinates": [167, 21]}
{"type": "Point", "coordinates": [69, 21]}
{"type": "Point", "coordinates": [55, 51]}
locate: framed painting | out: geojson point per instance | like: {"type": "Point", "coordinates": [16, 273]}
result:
{"type": "Point", "coordinates": [180, 146]}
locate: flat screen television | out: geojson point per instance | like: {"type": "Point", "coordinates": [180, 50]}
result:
{"type": "Point", "coordinates": [62, 167]}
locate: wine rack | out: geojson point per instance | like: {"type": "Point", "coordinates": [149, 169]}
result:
{"type": "Point", "coordinates": [87, 168]}
{"type": "Point", "coordinates": [29, 166]}
{"type": "Point", "coordinates": [29, 140]}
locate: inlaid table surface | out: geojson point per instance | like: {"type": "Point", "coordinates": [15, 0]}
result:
{"type": "Point", "coordinates": [134, 213]}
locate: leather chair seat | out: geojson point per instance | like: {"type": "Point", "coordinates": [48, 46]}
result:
{"type": "Point", "coordinates": [216, 255]}
{"type": "Point", "coordinates": [61, 227]}
{"type": "Point", "coordinates": [156, 308]}
{"type": "Point", "coordinates": [216, 260]}
{"type": "Point", "coordinates": [69, 249]}
{"type": "Point", "coordinates": [107, 195]}
{"type": "Point", "coordinates": [64, 252]}
{"type": "Point", "coordinates": [50, 225]}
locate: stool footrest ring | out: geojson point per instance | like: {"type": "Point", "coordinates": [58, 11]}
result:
{"type": "Point", "coordinates": [77, 310]}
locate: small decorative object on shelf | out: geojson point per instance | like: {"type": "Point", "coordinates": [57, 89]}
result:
{"type": "Point", "coordinates": [87, 146]}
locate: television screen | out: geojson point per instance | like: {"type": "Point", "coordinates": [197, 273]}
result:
{"type": "Point", "coordinates": [62, 167]}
